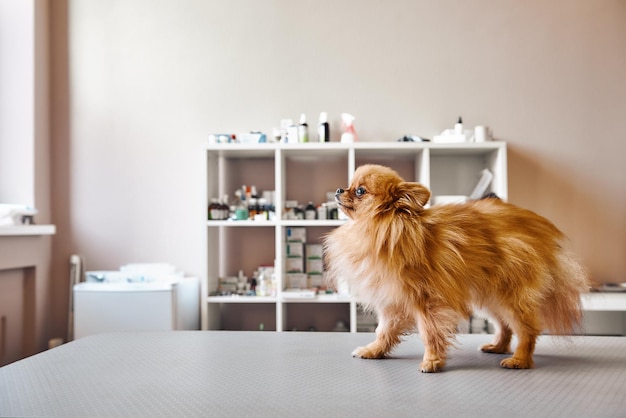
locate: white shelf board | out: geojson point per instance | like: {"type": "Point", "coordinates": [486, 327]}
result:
{"type": "Point", "coordinates": [318, 222]}
{"type": "Point", "coordinates": [27, 230]}
{"type": "Point", "coordinates": [604, 301]}
{"type": "Point", "coordinates": [268, 147]}
{"type": "Point", "coordinates": [241, 299]}
{"type": "Point", "coordinates": [268, 299]}
{"type": "Point", "coordinates": [246, 223]}
{"type": "Point", "coordinates": [303, 223]}
{"type": "Point", "coordinates": [598, 301]}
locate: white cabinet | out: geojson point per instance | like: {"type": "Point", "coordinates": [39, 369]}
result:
{"type": "Point", "coordinates": [306, 172]}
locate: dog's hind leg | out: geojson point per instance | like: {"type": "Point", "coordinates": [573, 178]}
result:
{"type": "Point", "coordinates": [527, 327]}
{"type": "Point", "coordinates": [502, 341]}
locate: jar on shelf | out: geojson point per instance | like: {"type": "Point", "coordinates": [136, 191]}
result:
{"type": "Point", "coordinates": [310, 212]}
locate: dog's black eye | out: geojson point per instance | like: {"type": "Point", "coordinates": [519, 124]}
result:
{"type": "Point", "coordinates": [360, 191]}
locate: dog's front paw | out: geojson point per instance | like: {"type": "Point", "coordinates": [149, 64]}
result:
{"type": "Point", "coordinates": [432, 366]}
{"type": "Point", "coordinates": [516, 363]}
{"type": "Point", "coordinates": [367, 352]}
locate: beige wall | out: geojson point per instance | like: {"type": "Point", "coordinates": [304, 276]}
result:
{"type": "Point", "coordinates": [138, 84]}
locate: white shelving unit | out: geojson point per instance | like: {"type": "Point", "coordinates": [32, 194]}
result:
{"type": "Point", "coordinates": [305, 172]}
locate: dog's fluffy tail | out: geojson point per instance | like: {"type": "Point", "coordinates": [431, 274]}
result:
{"type": "Point", "coordinates": [562, 312]}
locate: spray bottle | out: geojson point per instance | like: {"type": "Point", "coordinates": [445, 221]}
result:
{"type": "Point", "coordinates": [349, 134]}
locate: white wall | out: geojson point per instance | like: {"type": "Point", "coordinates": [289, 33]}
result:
{"type": "Point", "coordinates": [138, 85]}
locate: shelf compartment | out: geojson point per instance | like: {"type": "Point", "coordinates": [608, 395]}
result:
{"type": "Point", "coordinates": [410, 163]}
{"type": "Point", "coordinates": [232, 165]}
{"type": "Point", "coordinates": [309, 176]}
{"type": "Point", "coordinates": [303, 316]}
{"type": "Point", "coordinates": [456, 171]}
{"type": "Point", "coordinates": [239, 249]}
{"type": "Point", "coordinates": [247, 316]}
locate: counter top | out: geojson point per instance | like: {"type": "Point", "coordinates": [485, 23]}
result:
{"type": "Point", "coordinates": [227, 373]}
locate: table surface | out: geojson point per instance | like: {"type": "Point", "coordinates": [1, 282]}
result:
{"type": "Point", "coordinates": [214, 373]}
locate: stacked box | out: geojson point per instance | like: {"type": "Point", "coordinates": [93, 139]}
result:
{"type": "Point", "coordinates": [296, 234]}
{"type": "Point", "coordinates": [315, 265]}
{"type": "Point", "coordinates": [304, 269]}
{"type": "Point", "coordinates": [294, 260]}
{"type": "Point", "coordinates": [316, 280]}
{"type": "Point", "coordinates": [314, 251]}
{"type": "Point", "coordinates": [294, 265]}
{"type": "Point", "coordinates": [297, 281]}
{"type": "Point", "coordinates": [294, 249]}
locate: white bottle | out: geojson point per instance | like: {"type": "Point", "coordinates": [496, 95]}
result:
{"type": "Point", "coordinates": [458, 128]}
{"type": "Point", "coordinates": [323, 129]}
{"type": "Point", "coordinates": [303, 129]}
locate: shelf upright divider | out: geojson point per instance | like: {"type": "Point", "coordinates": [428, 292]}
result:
{"type": "Point", "coordinates": [422, 167]}
{"type": "Point", "coordinates": [204, 282]}
{"type": "Point", "coordinates": [499, 166]}
{"type": "Point", "coordinates": [221, 188]}
{"type": "Point", "coordinates": [351, 168]}
{"type": "Point", "coordinates": [279, 263]}
{"type": "Point", "coordinates": [351, 162]}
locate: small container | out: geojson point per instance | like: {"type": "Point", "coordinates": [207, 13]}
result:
{"type": "Point", "coordinates": [458, 128]}
{"type": "Point", "coordinates": [303, 129]}
{"type": "Point", "coordinates": [214, 210]}
{"type": "Point", "coordinates": [322, 213]}
{"type": "Point", "coordinates": [310, 212]}
{"type": "Point", "coordinates": [323, 129]}
{"type": "Point", "coordinates": [333, 212]}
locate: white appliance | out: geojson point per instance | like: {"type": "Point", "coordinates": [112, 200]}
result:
{"type": "Point", "coordinates": [136, 298]}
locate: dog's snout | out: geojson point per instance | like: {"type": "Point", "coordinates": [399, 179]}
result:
{"type": "Point", "coordinates": [339, 191]}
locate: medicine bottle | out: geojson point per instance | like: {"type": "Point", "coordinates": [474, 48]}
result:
{"type": "Point", "coordinates": [310, 212]}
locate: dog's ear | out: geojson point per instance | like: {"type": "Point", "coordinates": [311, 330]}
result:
{"type": "Point", "coordinates": [411, 195]}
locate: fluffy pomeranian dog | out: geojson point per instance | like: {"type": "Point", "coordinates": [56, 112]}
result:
{"type": "Point", "coordinates": [430, 267]}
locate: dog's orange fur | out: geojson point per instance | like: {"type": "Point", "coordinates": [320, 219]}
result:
{"type": "Point", "coordinates": [431, 266]}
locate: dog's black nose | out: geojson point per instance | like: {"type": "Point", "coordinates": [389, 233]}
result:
{"type": "Point", "coordinates": [338, 192]}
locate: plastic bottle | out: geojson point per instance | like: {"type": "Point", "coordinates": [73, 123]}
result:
{"type": "Point", "coordinates": [298, 212]}
{"type": "Point", "coordinates": [323, 129]}
{"type": "Point", "coordinates": [458, 128]}
{"type": "Point", "coordinates": [310, 212]}
{"type": "Point", "coordinates": [303, 129]}
{"type": "Point", "coordinates": [241, 210]}
{"type": "Point", "coordinates": [214, 214]}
